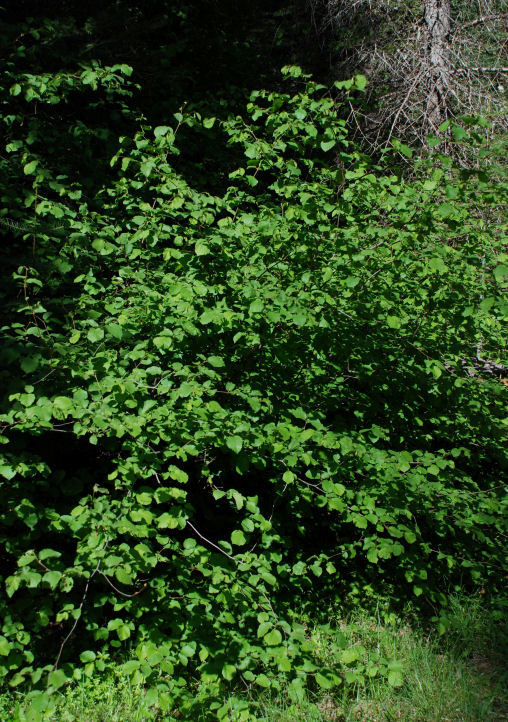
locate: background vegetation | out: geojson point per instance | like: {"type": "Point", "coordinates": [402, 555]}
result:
{"type": "Point", "coordinates": [253, 377]}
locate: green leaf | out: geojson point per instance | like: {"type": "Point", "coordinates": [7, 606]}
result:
{"type": "Point", "coordinates": [115, 330]}
{"type": "Point", "coordinates": [7, 472]}
{"type": "Point", "coordinates": [372, 555]}
{"type": "Point", "coordinates": [131, 666]}
{"type": "Point", "coordinates": [238, 538]}
{"type": "Point", "coordinates": [437, 264]}
{"type": "Point", "coordinates": [445, 210]}
{"type": "Point", "coordinates": [256, 306]}
{"type": "Point", "coordinates": [360, 82]}
{"type": "Point", "coordinates": [30, 363]}
{"type": "Point", "coordinates": [228, 672]}
{"type": "Point", "coordinates": [57, 678]}
{"type": "Point", "coordinates": [5, 646]}
{"type": "Point", "coordinates": [433, 140]}
{"type": "Point", "coordinates": [123, 576]}
{"type": "Point", "coordinates": [167, 521]}
{"type": "Point", "coordinates": [327, 145]}
{"type": "Point", "coordinates": [52, 578]}
{"type": "Point", "coordinates": [62, 407]}
{"type": "Point", "coordinates": [405, 150]}
{"type": "Point", "coordinates": [27, 399]}
{"type": "Point", "coordinates": [87, 656]}
{"type": "Point", "coordinates": [40, 703]}
{"type": "Point", "coordinates": [263, 681]}
{"type": "Point", "coordinates": [268, 577]}
{"type": "Point", "coordinates": [163, 342]}
{"type": "Point", "coordinates": [248, 525]}
{"type": "Point", "coordinates": [348, 656]}
{"type": "Point", "coordinates": [186, 389]}
{"type": "Point", "coordinates": [300, 319]}
{"type": "Point", "coordinates": [123, 632]}
{"type": "Point", "coordinates": [395, 678]}
{"type": "Point", "coordinates": [234, 443]}
{"type": "Point", "coordinates": [500, 273]}
{"type": "Point", "coordinates": [207, 316]}
{"type": "Point", "coordinates": [436, 372]}
{"type": "Point", "coordinates": [393, 321]}
{"type": "Point", "coordinates": [458, 132]}
{"type": "Point", "coordinates": [323, 681]}
{"type": "Point", "coordinates": [273, 638]}
{"type": "Point", "coordinates": [201, 249]}
{"type": "Point", "coordinates": [103, 247]}
{"type": "Point", "coordinates": [95, 335]}
{"type": "Point", "coordinates": [263, 628]}
{"type": "Point", "coordinates": [161, 130]}
{"type": "Point", "coordinates": [299, 568]}
{"type": "Point", "coordinates": [178, 474]}
{"type": "Point", "coordinates": [238, 498]}
{"type": "Point", "coordinates": [30, 167]}
{"type": "Point", "coordinates": [12, 584]}
{"type": "Point", "coordinates": [216, 361]}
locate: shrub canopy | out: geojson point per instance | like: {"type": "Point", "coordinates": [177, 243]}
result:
{"type": "Point", "coordinates": [222, 407]}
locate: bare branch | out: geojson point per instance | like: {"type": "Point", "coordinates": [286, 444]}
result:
{"type": "Point", "coordinates": [55, 666]}
{"type": "Point", "coordinates": [210, 542]}
{"type": "Point", "coordinates": [480, 21]}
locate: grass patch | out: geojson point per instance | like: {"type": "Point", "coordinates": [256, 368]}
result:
{"type": "Point", "coordinates": [460, 676]}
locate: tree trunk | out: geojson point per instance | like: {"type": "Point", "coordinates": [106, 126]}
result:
{"type": "Point", "coordinates": [437, 24]}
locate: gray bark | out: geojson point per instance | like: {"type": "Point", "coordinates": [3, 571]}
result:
{"type": "Point", "coordinates": [437, 25]}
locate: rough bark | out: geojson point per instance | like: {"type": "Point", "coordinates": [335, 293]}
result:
{"type": "Point", "coordinates": [437, 25]}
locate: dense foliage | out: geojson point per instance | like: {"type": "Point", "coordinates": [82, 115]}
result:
{"type": "Point", "coordinates": [230, 401]}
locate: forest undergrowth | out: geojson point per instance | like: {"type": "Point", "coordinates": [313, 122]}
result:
{"type": "Point", "coordinates": [252, 421]}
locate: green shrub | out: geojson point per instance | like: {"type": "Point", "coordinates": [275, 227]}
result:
{"type": "Point", "coordinates": [222, 409]}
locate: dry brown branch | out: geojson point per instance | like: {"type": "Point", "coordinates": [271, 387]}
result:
{"type": "Point", "coordinates": [480, 21]}
{"type": "Point", "coordinates": [424, 66]}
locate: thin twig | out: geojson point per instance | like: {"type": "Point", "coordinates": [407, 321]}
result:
{"type": "Point", "coordinates": [55, 666]}
{"type": "Point", "coordinates": [210, 542]}
{"type": "Point", "coordinates": [134, 594]}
